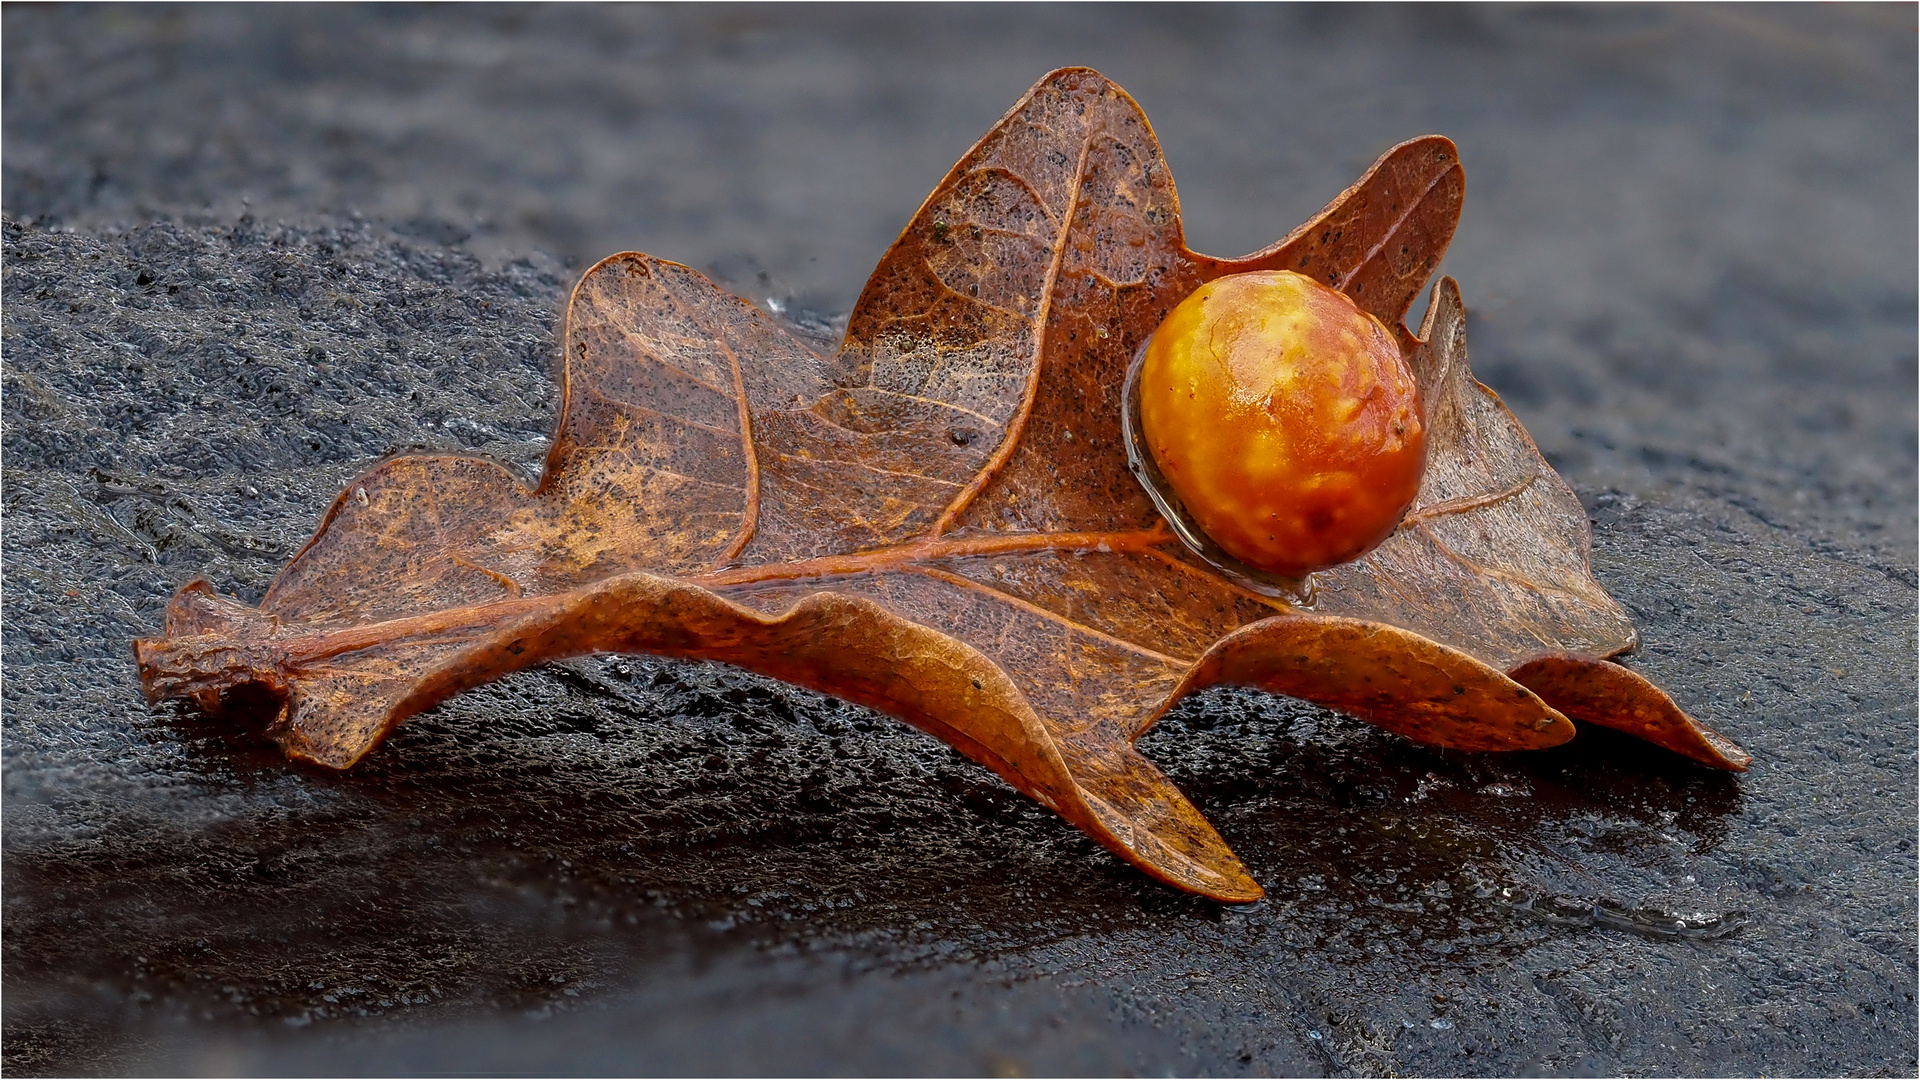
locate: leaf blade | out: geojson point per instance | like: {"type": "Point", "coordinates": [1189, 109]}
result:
{"type": "Point", "coordinates": [1387, 676]}
{"type": "Point", "coordinates": [1381, 239]}
{"type": "Point", "coordinates": [1492, 557]}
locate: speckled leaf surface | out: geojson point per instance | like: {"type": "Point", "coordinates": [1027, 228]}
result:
{"type": "Point", "coordinates": [938, 520]}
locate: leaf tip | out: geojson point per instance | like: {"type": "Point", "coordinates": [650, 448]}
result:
{"type": "Point", "coordinates": [1604, 693]}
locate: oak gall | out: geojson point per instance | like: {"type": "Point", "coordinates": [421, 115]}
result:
{"type": "Point", "coordinates": [1285, 419]}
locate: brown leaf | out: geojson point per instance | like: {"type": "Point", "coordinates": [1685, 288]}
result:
{"type": "Point", "coordinates": [938, 521]}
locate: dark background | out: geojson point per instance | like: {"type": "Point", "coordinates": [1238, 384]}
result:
{"type": "Point", "coordinates": [248, 250]}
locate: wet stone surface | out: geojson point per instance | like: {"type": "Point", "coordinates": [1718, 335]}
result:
{"type": "Point", "coordinates": [1688, 249]}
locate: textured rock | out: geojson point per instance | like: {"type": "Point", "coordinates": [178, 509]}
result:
{"type": "Point", "coordinates": [1688, 249]}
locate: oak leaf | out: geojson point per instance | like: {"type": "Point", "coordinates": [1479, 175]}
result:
{"type": "Point", "coordinates": [938, 520]}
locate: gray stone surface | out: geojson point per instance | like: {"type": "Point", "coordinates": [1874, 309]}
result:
{"type": "Point", "coordinates": [249, 250]}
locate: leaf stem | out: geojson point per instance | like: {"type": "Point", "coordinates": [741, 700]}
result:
{"type": "Point", "coordinates": [199, 662]}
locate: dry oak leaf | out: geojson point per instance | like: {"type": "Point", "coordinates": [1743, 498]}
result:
{"type": "Point", "coordinates": [938, 520]}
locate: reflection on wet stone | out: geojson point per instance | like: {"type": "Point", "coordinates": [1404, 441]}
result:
{"type": "Point", "coordinates": [1585, 911]}
{"type": "Point", "coordinates": [630, 860]}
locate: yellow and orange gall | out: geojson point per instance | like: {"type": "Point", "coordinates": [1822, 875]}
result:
{"type": "Point", "coordinates": [1285, 419]}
